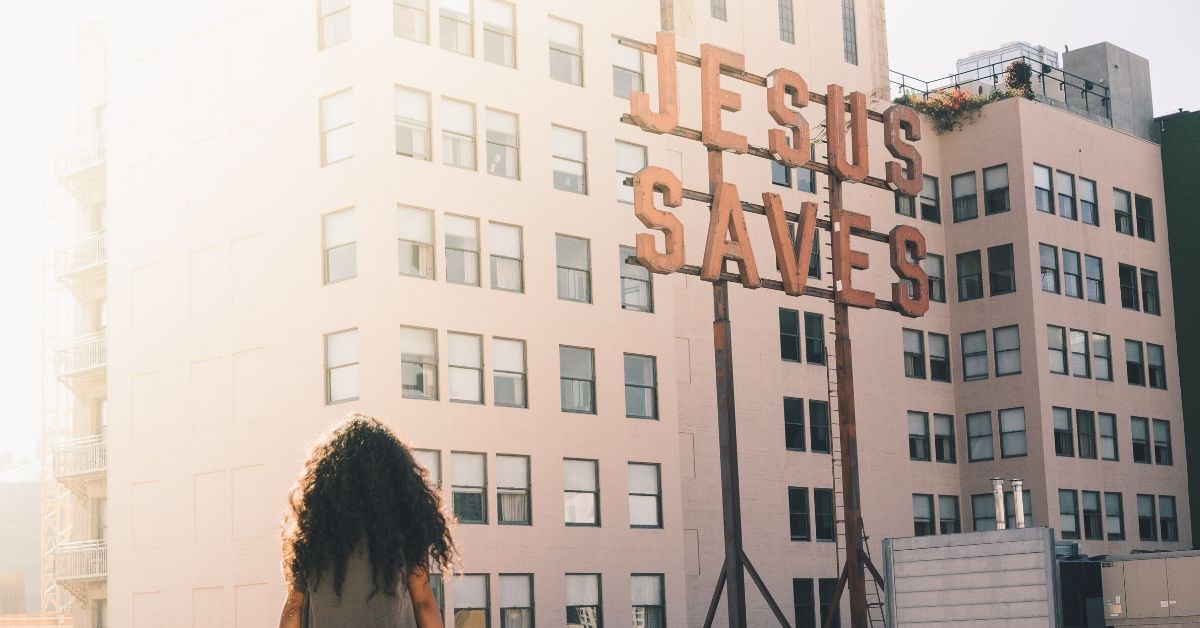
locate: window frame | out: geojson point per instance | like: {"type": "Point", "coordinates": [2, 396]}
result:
{"type": "Point", "coordinates": [514, 490]}
{"type": "Point", "coordinates": [973, 437]}
{"type": "Point", "coordinates": [414, 125]}
{"type": "Point", "coordinates": [652, 387]}
{"type": "Point", "coordinates": [919, 445]}
{"type": "Point", "coordinates": [982, 333]}
{"type": "Point", "coordinates": [520, 376]}
{"type": "Point", "coordinates": [945, 443]}
{"type": "Point", "coordinates": [995, 254]}
{"type": "Point", "coordinates": [997, 351]}
{"type": "Point", "coordinates": [1043, 197]}
{"type": "Point", "coordinates": [493, 256]}
{"type": "Point", "coordinates": [595, 493]}
{"type": "Point", "coordinates": [467, 254]}
{"type": "Point", "coordinates": [428, 370]}
{"type": "Point", "coordinates": [555, 159]}
{"type": "Point", "coordinates": [481, 489]}
{"type": "Point", "coordinates": [451, 367]}
{"type": "Point", "coordinates": [914, 363]}
{"type": "Point", "coordinates": [499, 144]}
{"type": "Point", "coordinates": [586, 272]}
{"type": "Point", "coordinates": [964, 210]}
{"type": "Point", "coordinates": [625, 253]}
{"type": "Point", "coordinates": [430, 247]}
{"type": "Point", "coordinates": [1001, 192]}
{"type": "Point", "coordinates": [510, 35]}
{"type": "Point", "coordinates": [574, 55]}
{"type": "Point", "coordinates": [799, 511]}
{"type": "Point", "coordinates": [1058, 183]}
{"type": "Point", "coordinates": [1024, 432]}
{"type": "Point", "coordinates": [1144, 224]}
{"type": "Point", "coordinates": [591, 383]}
{"type": "Point", "coordinates": [968, 279]}
{"type": "Point", "coordinates": [1123, 218]}
{"type": "Point", "coordinates": [656, 495]}
{"type": "Point", "coordinates": [330, 368]}
{"type": "Point", "coordinates": [1073, 512]}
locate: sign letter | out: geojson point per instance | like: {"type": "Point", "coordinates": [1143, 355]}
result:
{"type": "Point", "coordinates": [899, 241]}
{"type": "Point", "coordinates": [895, 119]}
{"type": "Point", "coordinates": [780, 84]}
{"type": "Point", "coordinates": [793, 260]}
{"type": "Point", "coordinates": [726, 217]}
{"type": "Point", "coordinates": [846, 260]}
{"type": "Point", "coordinates": [645, 182]}
{"type": "Point", "coordinates": [835, 121]}
{"type": "Point", "coordinates": [668, 92]}
{"type": "Point", "coordinates": [713, 99]}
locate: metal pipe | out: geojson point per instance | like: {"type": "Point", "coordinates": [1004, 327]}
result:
{"type": "Point", "coordinates": [1018, 502]}
{"type": "Point", "coordinates": [998, 494]}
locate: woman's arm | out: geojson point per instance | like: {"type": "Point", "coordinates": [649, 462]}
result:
{"type": "Point", "coordinates": [290, 616]}
{"type": "Point", "coordinates": [425, 606]}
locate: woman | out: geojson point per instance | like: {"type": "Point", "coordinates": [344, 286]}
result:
{"type": "Point", "coordinates": [363, 532]}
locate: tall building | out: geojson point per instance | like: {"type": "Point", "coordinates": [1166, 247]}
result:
{"type": "Point", "coordinates": [417, 210]}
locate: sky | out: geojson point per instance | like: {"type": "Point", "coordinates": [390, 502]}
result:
{"type": "Point", "coordinates": [925, 37]}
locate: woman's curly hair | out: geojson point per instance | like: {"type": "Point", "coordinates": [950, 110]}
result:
{"type": "Point", "coordinates": [362, 485]}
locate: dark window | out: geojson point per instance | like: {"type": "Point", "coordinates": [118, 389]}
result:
{"type": "Point", "coordinates": [1139, 431]}
{"type": "Point", "coordinates": [577, 379]}
{"type": "Point", "coordinates": [1006, 343]}
{"type": "Point", "coordinates": [918, 435]}
{"type": "Point", "coordinates": [1000, 269]}
{"type": "Point", "coordinates": [1167, 527]}
{"type": "Point", "coordinates": [818, 425]}
{"type": "Point", "coordinates": [798, 513]}
{"type": "Point", "coordinates": [1147, 528]}
{"type": "Point", "coordinates": [970, 275]}
{"type": "Point", "coordinates": [1114, 517]}
{"type": "Point", "coordinates": [906, 205]}
{"type": "Point", "coordinates": [943, 433]}
{"type": "Point", "coordinates": [1150, 292]}
{"type": "Point", "coordinates": [1123, 209]}
{"type": "Point", "coordinates": [1068, 510]}
{"type": "Point", "coordinates": [1056, 341]}
{"type": "Point", "coordinates": [649, 604]}
{"type": "Point", "coordinates": [1087, 202]}
{"type": "Point", "coordinates": [1094, 268]}
{"type": "Point", "coordinates": [1129, 286]}
{"type": "Point", "coordinates": [823, 517]}
{"type": "Point", "coordinates": [827, 587]}
{"type": "Point", "coordinates": [1066, 194]}
{"type": "Point", "coordinates": [789, 335]}
{"type": "Point", "coordinates": [804, 602]}
{"type": "Point", "coordinates": [1145, 218]}
{"type": "Point", "coordinates": [1013, 438]}
{"type": "Point", "coordinates": [923, 515]}
{"type": "Point", "coordinates": [939, 357]}
{"type": "Point", "coordinates": [1085, 421]}
{"type": "Point", "coordinates": [1064, 436]}
{"type": "Point", "coordinates": [1010, 517]}
{"type": "Point", "coordinates": [585, 606]}
{"type": "Point", "coordinates": [637, 288]}
{"type": "Point", "coordinates": [469, 486]}
{"type": "Point", "coordinates": [914, 353]}
{"type": "Point", "coordinates": [1135, 367]}
{"type": "Point", "coordinates": [1102, 357]}
{"type": "Point", "coordinates": [979, 437]}
{"type": "Point", "coordinates": [814, 338]}
{"type": "Point", "coordinates": [1043, 189]}
{"type": "Point", "coordinates": [781, 174]}
{"type": "Point", "coordinates": [974, 355]}
{"type": "Point", "coordinates": [983, 512]}
{"type": "Point", "coordinates": [949, 521]}
{"type": "Point", "coordinates": [1072, 274]}
{"type": "Point", "coordinates": [995, 189]}
{"type": "Point", "coordinates": [966, 198]}
{"type": "Point", "coordinates": [935, 267]}
{"type": "Point", "coordinates": [793, 423]}
{"type": "Point", "coordinates": [1109, 449]}
{"type": "Point", "coordinates": [1049, 262]}
{"type": "Point", "coordinates": [1092, 528]}
{"type": "Point", "coordinates": [1162, 442]}
{"type": "Point", "coordinates": [1080, 358]}
{"type": "Point", "coordinates": [641, 387]}
{"type": "Point", "coordinates": [1156, 367]}
{"type": "Point", "coordinates": [931, 208]}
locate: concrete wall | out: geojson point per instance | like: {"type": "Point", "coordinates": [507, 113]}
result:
{"type": "Point", "coordinates": [1127, 76]}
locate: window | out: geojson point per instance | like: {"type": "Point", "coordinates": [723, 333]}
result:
{"type": "Point", "coordinates": [931, 208]}
{"type": "Point", "coordinates": [516, 601]}
{"type": "Point", "coordinates": [637, 290]}
{"type": "Point", "coordinates": [934, 266]}
{"type": "Point", "coordinates": [1108, 437]}
{"type": "Point", "coordinates": [341, 366]}
{"type": "Point", "coordinates": [1087, 202]}
{"type": "Point", "coordinates": [507, 266]}
{"type": "Point", "coordinates": [1139, 430]}
{"type": "Point", "coordinates": [979, 444]}
{"type": "Point", "coordinates": [1156, 366]}
{"type": "Point", "coordinates": [1102, 357]}
{"type": "Point", "coordinates": [943, 433]}
{"type": "Point", "coordinates": [1135, 369]}
{"type": "Point", "coordinates": [630, 159]}
{"type": "Point", "coordinates": [431, 461]}
{"type": "Point", "coordinates": [645, 496]}
{"type": "Point", "coordinates": [787, 22]}
{"type": "Point", "coordinates": [939, 357]}
{"type": "Point", "coordinates": [415, 241]}
{"type": "Point", "coordinates": [1147, 530]}
{"type": "Point", "coordinates": [949, 521]}
{"type": "Point", "coordinates": [628, 72]}
{"type": "Point", "coordinates": [782, 175]}
{"type": "Point", "coordinates": [462, 250]}
{"type": "Point", "coordinates": [569, 156]}
{"type": "Point", "coordinates": [1168, 529]}
{"type": "Point", "coordinates": [499, 33]}
{"type": "Point", "coordinates": [1123, 208]}
{"type": "Point", "coordinates": [914, 353]}
{"type": "Point", "coordinates": [970, 275]}
{"type": "Point", "coordinates": [1043, 192]}
{"type": "Point", "coordinates": [798, 513]}
{"type": "Point", "coordinates": [1006, 342]}
{"type": "Point", "coordinates": [337, 127]}
{"type": "Point", "coordinates": [818, 421]}
{"type": "Point", "coordinates": [455, 24]}
{"type": "Point", "coordinates": [583, 600]}
{"type": "Point", "coordinates": [1129, 286]}
{"type": "Point", "coordinates": [577, 379]}
{"type": "Point", "coordinates": [641, 387]}
{"type": "Point", "coordinates": [1150, 292]}
{"type": "Point", "coordinates": [1056, 341]}
{"type": "Point", "coordinates": [717, 9]}
{"type": "Point", "coordinates": [1080, 360]}
{"type": "Point", "coordinates": [512, 489]}
{"type": "Point", "coordinates": [1094, 267]}
{"type": "Point", "coordinates": [1066, 194]}
{"type": "Point", "coordinates": [974, 355]}
{"type": "Point", "coordinates": [100, 613]}
{"type": "Point", "coordinates": [1001, 275]}
{"type": "Point", "coordinates": [503, 144]}
{"type": "Point", "coordinates": [341, 258]}
{"type": "Point", "coordinates": [581, 492]}
{"type": "Point", "coordinates": [1049, 262]}
{"type": "Point", "coordinates": [823, 516]}
{"type": "Point", "coordinates": [574, 268]}
{"type": "Point", "coordinates": [458, 133]}
{"type": "Point", "coordinates": [1013, 442]}
{"type": "Point", "coordinates": [439, 593]}
{"type": "Point", "coordinates": [849, 33]}
{"type": "Point", "coordinates": [566, 51]}
{"type": "Point", "coordinates": [1064, 436]}
{"type": "Point", "coordinates": [1068, 511]}
{"type": "Point", "coordinates": [1092, 528]}
{"type": "Point", "coordinates": [466, 367]}
{"type": "Point", "coordinates": [1072, 279]}
{"type": "Point", "coordinates": [1162, 442]}
{"type": "Point", "coordinates": [468, 476]}
{"type": "Point", "coordinates": [1114, 517]}
{"type": "Point", "coordinates": [918, 435]}
{"type": "Point", "coordinates": [1086, 422]}
{"type": "Point", "coordinates": [335, 22]}
{"type": "Point", "coordinates": [649, 607]}
{"type": "Point", "coordinates": [814, 260]}
{"type": "Point", "coordinates": [905, 205]}
{"type": "Point", "coordinates": [806, 180]}
{"type": "Point", "coordinates": [814, 338]}
{"type": "Point", "coordinates": [983, 512]}
{"type": "Point", "coordinates": [793, 424]}
{"type": "Point", "coordinates": [412, 123]}
{"type": "Point", "coordinates": [471, 600]}
{"type": "Point", "coordinates": [966, 199]}
{"type": "Point", "coordinates": [804, 603]}
{"type": "Point", "coordinates": [418, 363]}
{"type": "Point", "coordinates": [995, 189]}
{"type": "Point", "coordinates": [508, 372]}
{"type": "Point", "coordinates": [789, 335]}
{"type": "Point", "coordinates": [923, 515]}
{"type": "Point", "coordinates": [1145, 219]}
{"type": "Point", "coordinates": [410, 20]}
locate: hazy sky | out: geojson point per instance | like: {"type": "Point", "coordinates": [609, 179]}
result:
{"type": "Point", "coordinates": [925, 37]}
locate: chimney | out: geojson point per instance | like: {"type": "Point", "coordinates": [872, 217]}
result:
{"type": "Point", "coordinates": [998, 493]}
{"type": "Point", "coordinates": [1018, 502]}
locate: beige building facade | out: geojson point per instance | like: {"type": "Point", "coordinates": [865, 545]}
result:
{"type": "Point", "coordinates": [414, 210]}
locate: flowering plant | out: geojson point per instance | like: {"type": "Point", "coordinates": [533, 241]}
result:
{"type": "Point", "coordinates": [951, 108]}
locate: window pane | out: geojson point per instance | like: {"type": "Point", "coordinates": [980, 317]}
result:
{"type": "Point", "coordinates": [516, 591]}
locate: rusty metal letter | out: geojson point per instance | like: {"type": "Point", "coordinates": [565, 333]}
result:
{"type": "Point", "coordinates": [645, 182]}
{"type": "Point", "coordinates": [835, 122]}
{"type": "Point", "coordinates": [899, 240]}
{"type": "Point", "coordinates": [895, 119]}
{"type": "Point", "coordinates": [667, 117]}
{"type": "Point", "coordinates": [726, 217]}
{"type": "Point", "coordinates": [780, 84]}
{"type": "Point", "coordinates": [793, 260]}
{"type": "Point", "coordinates": [713, 99]}
{"type": "Point", "coordinates": [849, 259]}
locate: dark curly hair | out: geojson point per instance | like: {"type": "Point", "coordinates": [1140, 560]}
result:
{"type": "Point", "coordinates": [362, 485]}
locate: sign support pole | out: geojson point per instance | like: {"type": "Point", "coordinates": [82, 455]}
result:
{"type": "Point", "coordinates": [731, 502]}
